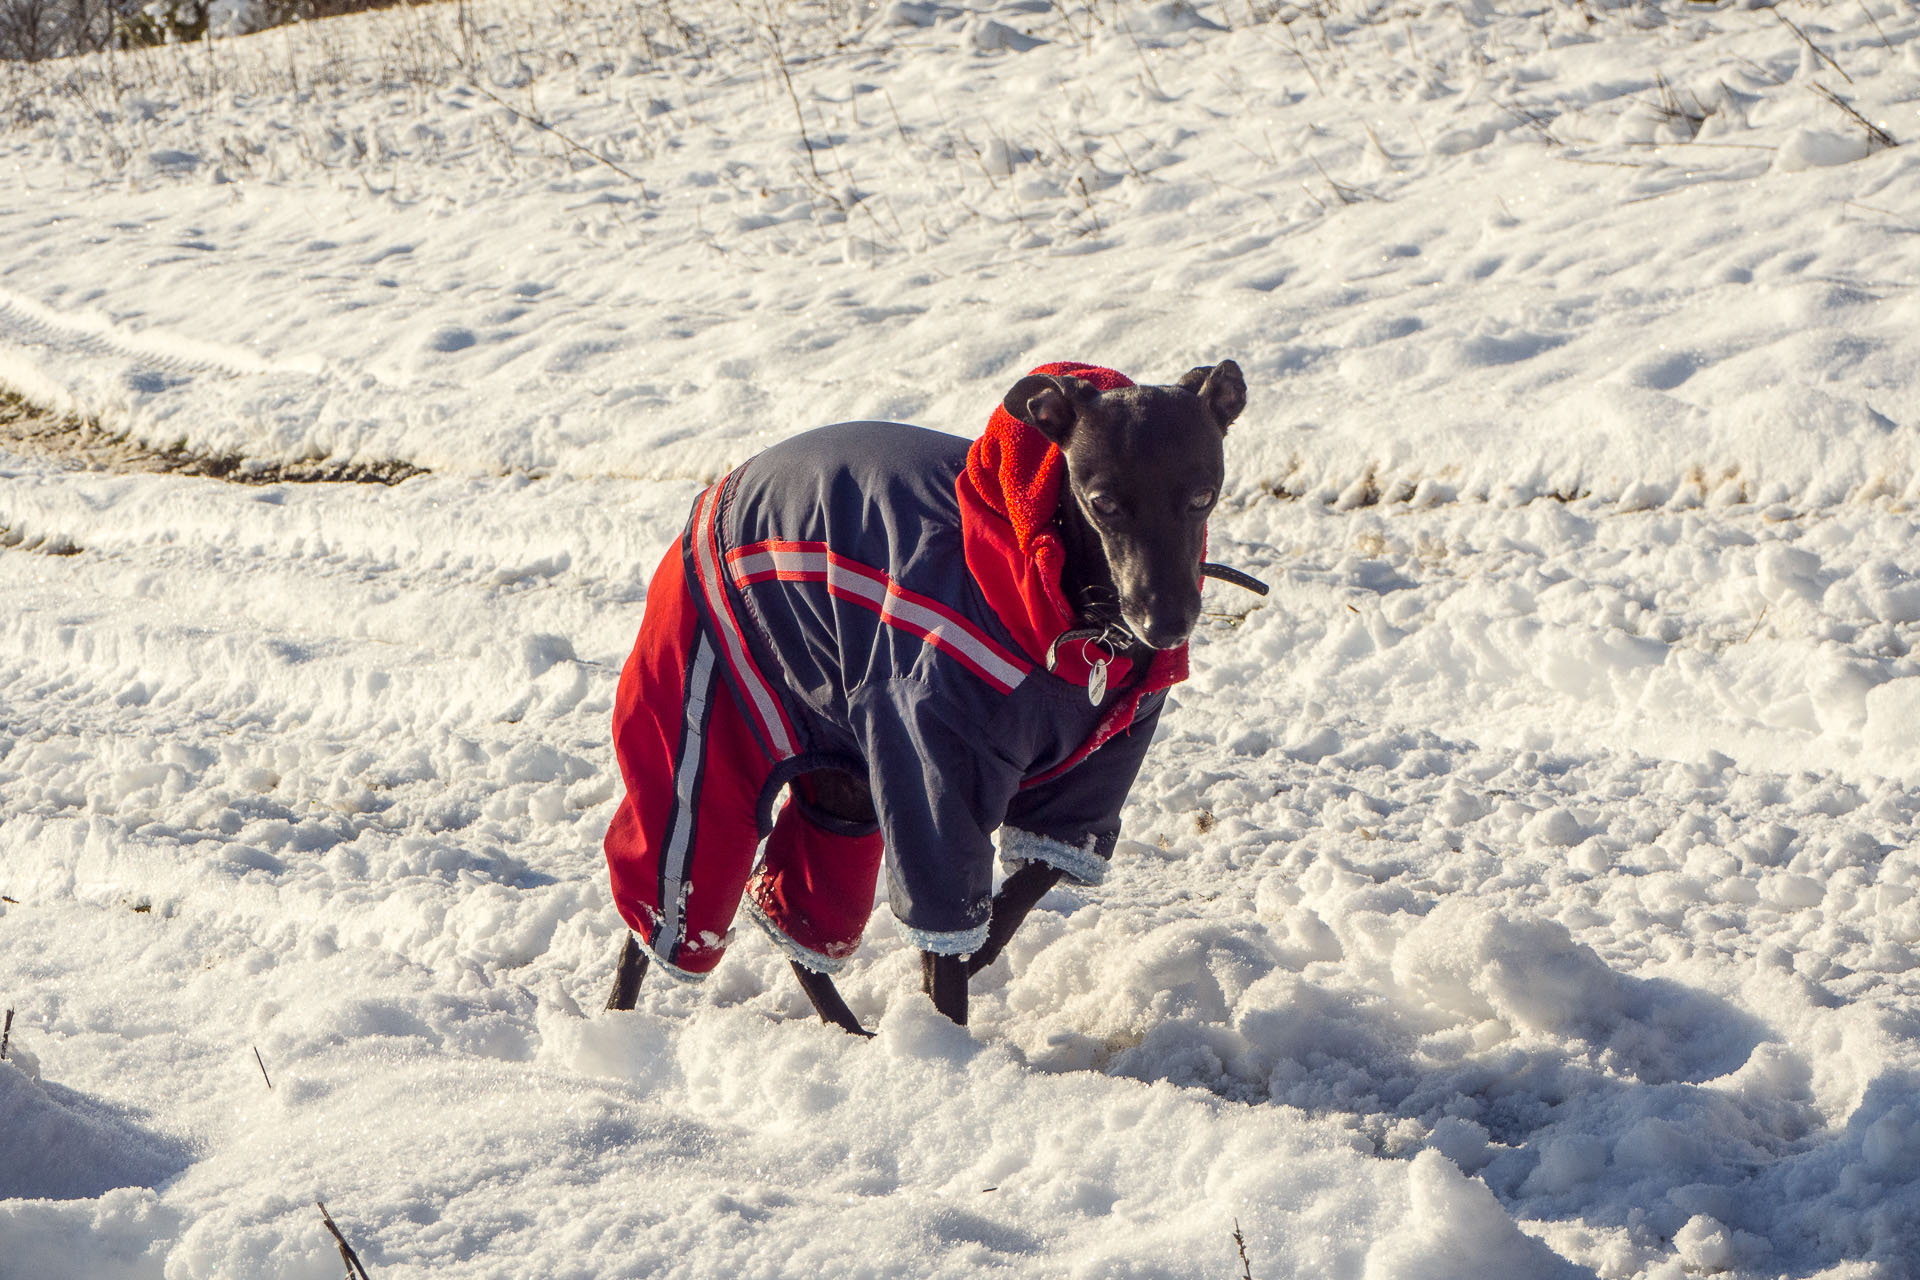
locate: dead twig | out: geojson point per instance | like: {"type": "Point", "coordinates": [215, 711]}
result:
{"type": "Point", "coordinates": [1674, 111]}
{"type": "Point", "coordinates": [1884, 42]}
{"type": "Point", "coordinates": [1875, 134]}
{"type": "Point", "coordinates": [771, 35]}
{"type": "Point", "coordinates": [1905, 223]}
{"type": "Point", "coordinates": [547, 126]}
{"type": "Point", "coordinates": [1533, 120]}
{"type": "Point", "coordinates": [6, 1034]}
{"type": "Point", "coordinates": [1345, 193]}
{"type": "Point", "coordinates": [347, 1255]}
{"type": "Point", "coordinates": [1818, 52]}
{"type": "Point", "coordinates": [263, 1067]}
{"type": "Point", "coordinates": [1240, 1243]}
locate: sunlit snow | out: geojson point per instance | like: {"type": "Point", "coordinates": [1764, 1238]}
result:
{"type": "Point", "coordinates": [1526, 887]}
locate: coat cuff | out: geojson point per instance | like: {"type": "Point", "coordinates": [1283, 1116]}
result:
{"type": "Point", "coordinates": [806, 957]}
{"type": "Point", "coordinates": [1079, 863]}
{"type": "Point", "coordinates": [946, 942]}
{"type": "Point", "coordinates": [657, 961]}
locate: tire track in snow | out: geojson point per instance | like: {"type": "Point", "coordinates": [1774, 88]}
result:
{"type": "Point", "coordinates": [387, 743]}
{"type": "Point", "coordinates": [1721, 489]}
{"type": "Point", "coordinates": [374, 646]}
{"type": "Point", "coordinates": [33, 326]}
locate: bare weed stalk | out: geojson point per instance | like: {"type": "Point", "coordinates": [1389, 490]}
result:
{"type": "Point", "coordinates": [1818, 52]}
{"type": "Point", "coordinates": [347, 1255]}
{"type": "Point", "coordinates": [1876, 136]}
{"type": "Point", "coordinates": [770, 33]}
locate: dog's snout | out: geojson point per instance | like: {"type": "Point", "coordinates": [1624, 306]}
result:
{"type": "Point", "coordinates": [1164, 622]}
{"type": "Point", "coordinates": [1164, 637]}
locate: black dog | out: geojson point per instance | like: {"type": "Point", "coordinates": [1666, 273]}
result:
{"type": "Point", "coordinates": [926, 642]}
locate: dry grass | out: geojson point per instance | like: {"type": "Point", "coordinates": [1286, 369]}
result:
{"type": "Point", "coordinates": [33, 432]}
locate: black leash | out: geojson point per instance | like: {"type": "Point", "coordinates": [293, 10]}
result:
{"type": "Point", "coordinates": [1227, 573]}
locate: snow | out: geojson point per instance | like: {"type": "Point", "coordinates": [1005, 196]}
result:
{"type": "Point", "coordinates": [1526, 887]}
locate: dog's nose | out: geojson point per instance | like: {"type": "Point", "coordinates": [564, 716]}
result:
{"type": "Point", "coordinates": [1164, 638]}
{"type": "Point", "coordinates": [1165, 627]}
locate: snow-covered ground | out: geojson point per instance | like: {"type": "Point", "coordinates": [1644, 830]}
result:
{"type": "Point", "coordinates": [1525, 888]}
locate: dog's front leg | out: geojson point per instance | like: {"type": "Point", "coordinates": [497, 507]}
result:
{"type": "Point", "coordinates": [1018, 895]}
{"type": "Point", "coordinates": [945, 979]}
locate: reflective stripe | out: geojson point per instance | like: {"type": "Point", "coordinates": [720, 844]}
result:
{"type": "Point", "coordinates": [686, 782]}
{"type": "Point", "coordinates": [762, 704]}
{"type": "Point", "coordinates": [898, 607]}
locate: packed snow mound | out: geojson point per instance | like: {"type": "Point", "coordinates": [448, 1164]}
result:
{"type": "Point", "coordinates": [1456, 1231]}
{"type": "Point", "coordinates": [122, 1235]}
{"type": "Point", "coordinates": [1471, 961]}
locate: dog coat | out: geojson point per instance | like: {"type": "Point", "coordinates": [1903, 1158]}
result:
{"type": "Point", "coordinates": [883, 600]}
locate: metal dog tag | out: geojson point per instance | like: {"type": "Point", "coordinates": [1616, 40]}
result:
{"type": "Point", "coordinates": [1097, 683]}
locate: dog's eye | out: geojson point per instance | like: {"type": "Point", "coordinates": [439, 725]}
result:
{"type": "Point", "coordinates": [1105, 505]}
{"type": "Point", "coordinates": [1203, 499]}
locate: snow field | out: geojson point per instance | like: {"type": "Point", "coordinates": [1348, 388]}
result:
{"type": "Point", "coordinates": [1402, 938]}
{"type": "Point", "coordinates": [1426, 228]}
{"type": "Point", "coordinates": [1526, 887]}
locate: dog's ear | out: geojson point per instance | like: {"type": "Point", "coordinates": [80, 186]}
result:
{"type": "Point", "coordinates": [1220, 388]}
{"type": "Point", "coordinates": [1050, 405]}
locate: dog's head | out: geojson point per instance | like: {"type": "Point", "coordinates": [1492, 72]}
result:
{"type": "Point", "coordinates": [1144, 468]}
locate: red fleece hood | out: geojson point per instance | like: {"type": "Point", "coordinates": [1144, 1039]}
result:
{"type": "Point", "coordinates": [1008, 495]}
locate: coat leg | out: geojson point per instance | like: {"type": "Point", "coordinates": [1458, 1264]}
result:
{"type": "Point", "coordinates": [681, 844]}
{"type": "Point", "coordinates": [814, 887]}
{"type": "Point", "coordinates": [1018, 895]}
{"type": "Point", "coordinates": [626, 979]}
{"type": "Point", "coordinates": [945, 979]}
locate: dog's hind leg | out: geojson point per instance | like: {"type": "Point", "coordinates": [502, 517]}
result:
{"type": "Point", "coordinates": [626, 979]}
{"type": "Point", "coordinates": [826, 1000]}
{"type": "Point", "coordinates": [1018, 895]}
{"type": "Point", "coordinates": [945, 979]}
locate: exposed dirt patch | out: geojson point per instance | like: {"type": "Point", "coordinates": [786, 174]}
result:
{"type": "Point", "coordinates": [27, 429]}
